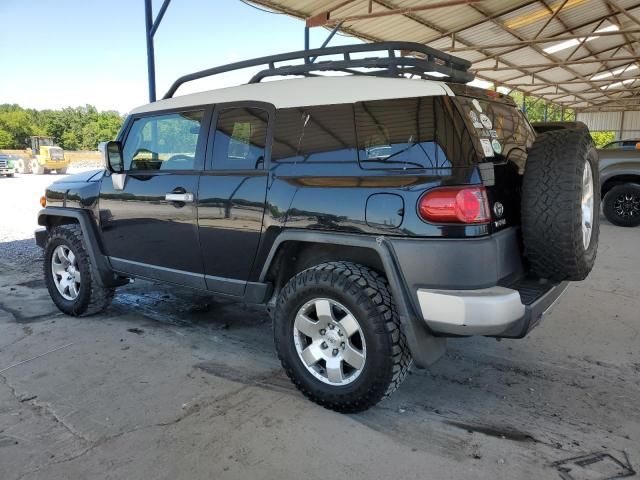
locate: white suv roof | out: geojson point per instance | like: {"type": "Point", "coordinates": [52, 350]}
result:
{"type": "Point", "coordinates": [302, 92]}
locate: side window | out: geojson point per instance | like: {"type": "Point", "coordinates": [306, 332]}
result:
{"type": "Point", "coordinates": [399, 133]}
{"type": "Point", "coordinates": [500, 130]}
{"type": "Point", "coordinates": [163, 142]}
{"type": "Point", "coordinates": [315, 134]}
{"type": "Point", "coordinates": [240, 137]}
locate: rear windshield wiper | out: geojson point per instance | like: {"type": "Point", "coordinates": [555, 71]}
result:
{"type": "Point", "coordinates": [406, 162]}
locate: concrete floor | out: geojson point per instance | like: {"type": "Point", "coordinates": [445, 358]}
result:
{"type": "Point", "coordinates": [168, 384]}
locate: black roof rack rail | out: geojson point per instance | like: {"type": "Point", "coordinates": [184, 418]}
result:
{"type": "Point", "coordinates": [415, 59]}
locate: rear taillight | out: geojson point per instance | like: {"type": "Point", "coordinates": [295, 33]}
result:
{"type": "Point", "coordinates": [455, 205]}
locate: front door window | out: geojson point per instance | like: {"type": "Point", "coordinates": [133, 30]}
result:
{"type": "Point", "coordinates": [163, 142]}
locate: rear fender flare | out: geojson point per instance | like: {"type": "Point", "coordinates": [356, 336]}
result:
{"type": "Point", "coordinates": [425, 348]}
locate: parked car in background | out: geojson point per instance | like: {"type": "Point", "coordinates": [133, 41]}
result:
{"type": "Point", "coordinates": [620, 180]}
{"type": "Point", "coordinates": [629, 144]}
{"type": "Point", "coordinates": [7, 165]}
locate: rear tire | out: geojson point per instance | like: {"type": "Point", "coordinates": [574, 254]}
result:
{"type": "Point", "coordinates": [69, 275]}
{"type": "Point", "coordinates": [22, 166]}
{"type": "Point", "coordinates": [348, 289]}
{"type": "Point", "coordinates": [62, 171]}
{"type": "Point", "coordinates": [561, 205]}
{"type": "Point", "coordinates": [622, 205]}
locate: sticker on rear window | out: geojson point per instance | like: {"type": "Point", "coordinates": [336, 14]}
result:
{"type": "Point", "coordinates": [486, 147]}
{"type": "Point", "coordinates": [486, 121]}
{"type": "Point", "coordinates": [495, 144]}
{"type": "Point", "coordinates": [477, 105]}
{"type": "Point", "coordinates": [474, 119]}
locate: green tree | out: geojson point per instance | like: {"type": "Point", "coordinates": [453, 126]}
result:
{"type": "Point", "coordinates": [17, 123]}
{"type": "Point", "coordinates": [602, 138]}
{"type": "Point", "coordinates": [71, 128]}
{"type": "Point", "coordinates": [6, 139]}
{"type": "Point", "coordinates": [69, 140]}
{"type": "Point", "coordinates": [534, 109]}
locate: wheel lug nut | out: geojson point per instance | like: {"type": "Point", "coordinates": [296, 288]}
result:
{"type": "Point", "coordinates": [331, 326]}
{"type": "Point", "coordinates": [324, 345]}
{"type": "Point", "coordinates": [335, 352]}
{"type": "Point", "coordinates": [342, 345]}
{"type": "Point", "coordinates": [323, 331]}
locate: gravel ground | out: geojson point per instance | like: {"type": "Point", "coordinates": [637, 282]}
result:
{"type": "Point", "coordinates": [170, 384]}
{"type": "Point", "coordinates": [19, 206]}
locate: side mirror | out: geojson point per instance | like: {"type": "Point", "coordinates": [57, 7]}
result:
{"type": "Point", "coordinates": [113, 157]}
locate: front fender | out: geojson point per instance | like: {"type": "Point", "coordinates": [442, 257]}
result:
{"type": "Point", "coordinates": [50, 216]}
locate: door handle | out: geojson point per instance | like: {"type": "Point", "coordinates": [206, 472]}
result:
{"type": "Point", "coordinates": [179, 197]}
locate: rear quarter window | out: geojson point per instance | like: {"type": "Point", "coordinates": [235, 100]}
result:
{"type": "Point", "coordinates": [500, 131]}
{"type": "Point", "coordinates": [315, 134]}
{"type": "Point", "coordinates": [412, 133]}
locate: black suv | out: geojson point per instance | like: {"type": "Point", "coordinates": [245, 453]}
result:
{"type": "Point", "coordinates": [374, 214]}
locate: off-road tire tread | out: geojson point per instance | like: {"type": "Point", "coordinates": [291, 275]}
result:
{"type": "Point", "coordinates": [551, 218]}
{"type": "Point", "coordinates": [99, 297]}
{"type": "Point", "coordinates": [371, 288]}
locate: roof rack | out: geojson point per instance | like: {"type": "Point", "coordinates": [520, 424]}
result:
{"type": "Point", "coordinates": [415, 59]}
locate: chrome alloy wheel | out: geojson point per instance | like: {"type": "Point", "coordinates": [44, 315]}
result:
{"type": "Point", "coordinates": [65, 272]}
{"type": "Point", "coordinates": [329, 341]}
{"type": "Point", "coordinates": [587, 205]}
{"type": "Point", "coordinates": [627, 206]}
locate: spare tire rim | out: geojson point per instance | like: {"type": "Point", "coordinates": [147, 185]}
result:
{"type": "Point", "coordinates": [329, 341]}
{"type": "Point", "coordinates": [65, 272]}
{"type": "Point", "coordinates": [627, 206]}
{"type": "Point", "coordinates": [587, 205]}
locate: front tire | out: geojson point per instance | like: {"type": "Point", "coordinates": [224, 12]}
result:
{"type": "Point", "coordinates": [338, 336]}
{"type": "Point", "coordinates": [36, 168]}
{"type": "Point", "coordinates": [69, 275]}
{"type": "Point", "coordinates": [622, 205]}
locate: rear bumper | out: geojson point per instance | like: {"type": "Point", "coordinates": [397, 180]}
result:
{"type": "Point", "coordinates": [473, 286]}
{"type": "Point", "coordinates": [494, 311]}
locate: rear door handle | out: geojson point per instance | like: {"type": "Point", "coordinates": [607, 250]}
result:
{"type": "Point", "coordinates": [179, 197]}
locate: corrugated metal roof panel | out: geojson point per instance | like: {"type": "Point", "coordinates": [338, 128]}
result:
{"type": "Point", "coordinates": [494, 23]}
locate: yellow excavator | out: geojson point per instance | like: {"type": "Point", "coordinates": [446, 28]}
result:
{"type": "Point", "coordinates": [45, 157]}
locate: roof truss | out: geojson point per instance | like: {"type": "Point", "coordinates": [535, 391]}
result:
{"type": "Point", "coordinates": [508, 42]}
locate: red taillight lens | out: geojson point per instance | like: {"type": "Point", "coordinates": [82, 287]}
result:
{"type": "Point", "coordinates": [455, 205]}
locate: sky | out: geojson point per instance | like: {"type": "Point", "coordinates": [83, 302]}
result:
{"type": "Point", "coordinates": [59, 53]}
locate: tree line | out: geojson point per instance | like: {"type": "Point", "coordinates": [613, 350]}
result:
{"type": "Point", "coordinates": [79, 128]}
{"type": "Point", "coordinates": [83, 128]}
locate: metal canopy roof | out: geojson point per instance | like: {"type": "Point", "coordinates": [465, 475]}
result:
{"type": "Point", "coordinates": [581, 54]}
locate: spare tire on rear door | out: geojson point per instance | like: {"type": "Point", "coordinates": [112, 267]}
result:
{"type": "Point", "coordinates": [560, 205]}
